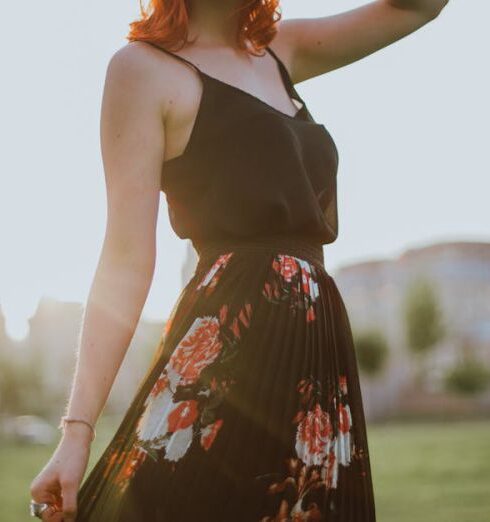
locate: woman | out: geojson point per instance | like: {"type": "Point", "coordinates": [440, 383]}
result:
{"type": "Point", "coordinates": [251, 409]}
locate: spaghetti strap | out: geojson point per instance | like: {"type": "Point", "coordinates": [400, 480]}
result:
{"type": "Point", "coordinates": [288, 82]}
{"type": "Point", "coordinates": [286, 78]}
{"type": "Point", "coordinates": [185, 60]}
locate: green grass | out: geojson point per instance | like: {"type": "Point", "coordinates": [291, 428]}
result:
{"type": "Point", "coordinates": [424, 472]}
{"type": "Point", "coordinates": [431, 472]}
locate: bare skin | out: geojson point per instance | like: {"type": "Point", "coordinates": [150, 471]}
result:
{"type": "Point", "coordinates": [148, 110]}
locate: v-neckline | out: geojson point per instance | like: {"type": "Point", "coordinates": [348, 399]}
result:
{"type": "Point", "coordinates": [235, 88]}
{"type": "Point", "coordinates": [283, 73]}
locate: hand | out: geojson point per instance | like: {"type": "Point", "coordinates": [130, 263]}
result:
{"type": "Point", "coordinates": [59, 480]}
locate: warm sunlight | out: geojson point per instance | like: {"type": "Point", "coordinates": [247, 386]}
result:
{"type": "Point", "coordinates": [320, 350]}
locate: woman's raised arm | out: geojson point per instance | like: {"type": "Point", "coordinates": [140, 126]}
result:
{"type": "Point", "coordinates": [313, 46]}
{"type": "Point", "coordinates": [132, 143]}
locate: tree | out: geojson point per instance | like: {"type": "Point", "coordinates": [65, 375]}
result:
{"type": "Point", "coordinates": [423, 320]}
{"type": "Point", "coordinates": [372, 351]}
{"type": "Point", "coordinates": [469, 377]}
{"type": "Point", "coordinates": [11, 391]}
{"type": "Point", "coordinates": [20, 387]}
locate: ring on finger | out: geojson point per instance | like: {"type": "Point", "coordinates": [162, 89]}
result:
{"type": "Point", "coordinates": [38, 508]}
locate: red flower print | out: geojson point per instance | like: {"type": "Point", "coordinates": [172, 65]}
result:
{"type": "Point", "coordinates": [343, 443]}
{"type": "Point", "coordinates": [317, 442]}
{"type": "Point", "coordinates": [132, 461]}
{"type": "Point", "coordinates": [294, 282]}
{"type": "Point", "coordinates": [243, 317]}
{"type": "Point", "coordinates": [235, 328]}
{"type": "Point", "coordinates": [305, 280]}
{"type": "Point", "coordinates": [344, 418]}
{"type": "Point", "coordinates": [210, 280]}
{"type": "Point", "coordinates": [312, 436]}
{"type": "Point", "coordinates": [198, 349]}
{"type": "Point", "coordinates": [170, 424]}
{"type": "Point", "coordinates": [209, 432]}
{"type": "Point", "coordinates": [176, 407]}
{"type": "Point", "coordinates": [343, 384]}
{"type": "Point", "coordinates": [305, 387]}
{"type": "Point", "coordinates": [271, 291]}
{"type": "Point", "coordinates": [310, 314]}
{"type": "Point", "coordinates": [116, 456]}
{"type": "Point", "coordinates": [286, 266]}
{"type": "Point", "coordinates": [308, 281]}
{"type": "Point", "coordinates": [295, 493]}
{"type": "Point", "coordinates": [321, 447]}
{"type": "Point", "coordinates": [245, 314]}
{"type": "Point", "coordinates": [223, 312]}
{"type": "Point", "coordinates": [330, 469]}
{"type": "Point", "coordinates": [160, 385]}
{"type": "Point", "coordinates": [182, 416]}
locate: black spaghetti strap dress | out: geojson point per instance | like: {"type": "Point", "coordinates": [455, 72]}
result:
{"type": "Point", "coordinates": [251, 410]}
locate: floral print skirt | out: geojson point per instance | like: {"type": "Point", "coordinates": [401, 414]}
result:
{"type": "Point", "coordinates": [251, 409]}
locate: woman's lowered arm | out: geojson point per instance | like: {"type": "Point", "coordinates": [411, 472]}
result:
{"type": "Point", "coordinates": [132, 140]}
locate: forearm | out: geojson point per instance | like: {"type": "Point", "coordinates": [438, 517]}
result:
{"type": "Point", "coordinates": [113, 308]}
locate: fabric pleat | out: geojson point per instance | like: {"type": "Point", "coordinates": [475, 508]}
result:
{"type": "Point", "coordinates": [251, 409]}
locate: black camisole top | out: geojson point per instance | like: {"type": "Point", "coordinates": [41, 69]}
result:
{"type": "Point", "coordinates": [251, 171]}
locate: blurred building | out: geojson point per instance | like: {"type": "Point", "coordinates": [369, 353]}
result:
{"type": "Point", "coordinates": [49, 352]}
{"type": "Point", "coordinates": [374, 292]}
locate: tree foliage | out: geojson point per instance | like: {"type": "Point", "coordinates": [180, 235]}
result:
{"type": "Point", "coordinates": [20, 387]}
{"type": "Point", "coordinates": [371, 351]}
{"type": "Point", "coordinates": [423, 317]}
{"type": "Point", "coordinates": [469, 377]}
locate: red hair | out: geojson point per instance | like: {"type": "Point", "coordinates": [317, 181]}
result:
{"type": "Point", "coordinates": [165, 23]}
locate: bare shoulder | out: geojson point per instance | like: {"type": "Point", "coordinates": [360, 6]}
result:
{"type": "Point", "coordinates": [132, 63]}
{"type": "Point", "coordinates": [138, 71]}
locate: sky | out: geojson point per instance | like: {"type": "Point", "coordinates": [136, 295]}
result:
{"type": "Point", "coordinates": [411, 123]}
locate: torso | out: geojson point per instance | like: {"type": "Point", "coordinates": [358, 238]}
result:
{"type": "Point", "coordinates": [182, 95]}
{"type": "Point", "coordinates": [243, 160]}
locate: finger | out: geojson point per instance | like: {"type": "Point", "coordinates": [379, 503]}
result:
{"type": "Point", "coordinates": [47, 498]}
{"type": "Point", "coordinates": [52, 514]}
{"type": "Point", "coordinates": [39, 492]}
{"type": "Point", "coordinates": [42, 490]}
{"type": "Point", "coordinates": [69, 494]}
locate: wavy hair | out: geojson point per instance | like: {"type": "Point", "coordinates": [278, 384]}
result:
{"type": "Point", "coordinates": [165, 23]}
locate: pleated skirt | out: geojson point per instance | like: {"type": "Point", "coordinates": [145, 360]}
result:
{"type": "Point", "coordinates": [251, 409]}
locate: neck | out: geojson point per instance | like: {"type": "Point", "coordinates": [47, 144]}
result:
{"type": "Point", "coordinates": [212, 23]}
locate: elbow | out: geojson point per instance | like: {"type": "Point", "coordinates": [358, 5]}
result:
{"type": "Point", "coordinates": [138, 255]}
{"type": "Point", "coordinates": [436, 8]}
{"type": "Point", "coordinates": [428, 11]}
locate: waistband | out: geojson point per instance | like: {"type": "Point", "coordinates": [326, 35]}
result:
{"type": "Point", "coordinates": [304, 248]}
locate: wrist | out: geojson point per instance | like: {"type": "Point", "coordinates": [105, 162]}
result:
{"type": "Point", "coordinates": [77, 433]}
{"type": "Point", "coordinates": [77, 428]}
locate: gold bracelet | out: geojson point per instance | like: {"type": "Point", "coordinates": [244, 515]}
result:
{"type": "Point", "coordinates": [65, 419]}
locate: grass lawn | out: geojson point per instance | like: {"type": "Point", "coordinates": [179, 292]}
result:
{"type": "Point", "coordinates": [430, 472]}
